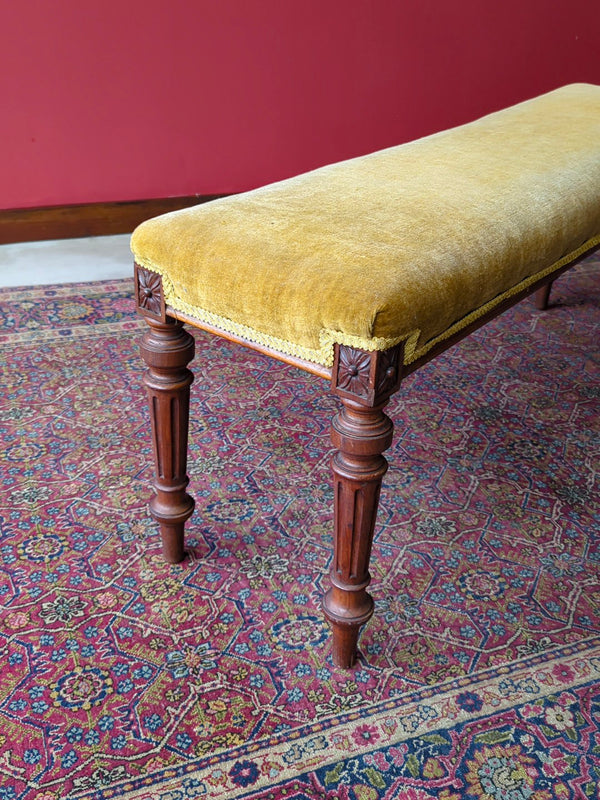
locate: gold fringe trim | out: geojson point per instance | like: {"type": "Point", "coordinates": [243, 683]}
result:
{"type": "Point", "coordinates": [328, 338]}
{"type": "Point", "coordinates": [414, 354]}
{"type": "Point", "coordinates": [231, 326]}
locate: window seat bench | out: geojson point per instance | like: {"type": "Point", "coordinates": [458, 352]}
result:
{"type": "Point", "coordinates": [360, 272]}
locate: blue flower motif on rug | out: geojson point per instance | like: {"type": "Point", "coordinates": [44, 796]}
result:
{"type": "Point", "coordinates": [126, 677]}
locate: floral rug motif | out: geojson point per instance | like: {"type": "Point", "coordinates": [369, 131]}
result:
{"type": "Point", "coordinates": [125, 677]}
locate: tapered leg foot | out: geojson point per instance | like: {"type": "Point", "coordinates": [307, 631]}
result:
{"type": "Point", "coordinates": [167, 348]}
{"type": "Point", "coordinates": [364, 381]}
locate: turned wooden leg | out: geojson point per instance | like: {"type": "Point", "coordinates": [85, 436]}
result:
{"type": "Point", "coordinates": [542, 296]}
{"type": "Point", "coordinates": [167, 348]}
{"type": "Point", "coordinates": [360, 433]}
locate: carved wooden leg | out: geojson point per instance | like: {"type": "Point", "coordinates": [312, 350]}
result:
{"type": "Point", "coordinates": [360, 432]}
{"type": "Point", "coordinates": [542, 296]}
{"type": "Point", "coordinates": [167, 348]}
{"type": "Point", "coordinates": [360, 435]}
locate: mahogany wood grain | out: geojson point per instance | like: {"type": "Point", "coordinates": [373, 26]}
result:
{"type": "Point", "coordinates": [167, 348]}
{"type": "Point", "coordinates": [364, 382]}
{"type": "Point", "coordinates": [360, 434]}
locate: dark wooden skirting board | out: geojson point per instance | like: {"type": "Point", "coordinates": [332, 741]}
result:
{"type": "Point", "coordinates": [91, 219]}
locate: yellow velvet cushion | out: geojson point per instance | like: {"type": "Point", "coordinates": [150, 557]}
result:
{"type": "Point", "coordinates": [412, 242]}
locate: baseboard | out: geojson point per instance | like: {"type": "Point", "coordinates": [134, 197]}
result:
{"type": "Point", "coordinates": [91, 219]}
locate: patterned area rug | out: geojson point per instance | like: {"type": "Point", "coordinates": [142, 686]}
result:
{"type": "Point", "coordinates": [125, 677]}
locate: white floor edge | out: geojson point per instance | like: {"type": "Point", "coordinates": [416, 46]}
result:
{"type": "Point", "coordinates": [65, 261]}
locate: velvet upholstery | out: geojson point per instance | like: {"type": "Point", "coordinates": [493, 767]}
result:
{"type": "Point", "coordinates": [408, 243]}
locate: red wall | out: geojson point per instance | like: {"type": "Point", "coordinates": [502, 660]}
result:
{"type": "Point", "coordinates": [134, 99]}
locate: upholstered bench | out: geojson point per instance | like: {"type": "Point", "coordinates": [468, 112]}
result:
{"type": "Point", "coordinates": [361, 272]}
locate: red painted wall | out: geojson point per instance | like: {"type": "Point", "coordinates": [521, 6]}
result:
{"type": "Point", "coordinates": [134, 99]}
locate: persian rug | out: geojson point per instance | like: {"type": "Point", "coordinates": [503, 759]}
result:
{"type": "Point", "coordinates": [125, 677]}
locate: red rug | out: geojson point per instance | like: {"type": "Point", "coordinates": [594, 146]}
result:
{"type": "Point", "coordinates": [125, 677]}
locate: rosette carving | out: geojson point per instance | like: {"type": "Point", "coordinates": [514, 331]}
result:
{"type": "Point", "coordinates": [369, 377]}
{"type": "Point", "coordinates": [149, 289]}
{"type": "Point", "coordinates": [354, 371]}
{"type": "Point", "coordinates": [388, 371]}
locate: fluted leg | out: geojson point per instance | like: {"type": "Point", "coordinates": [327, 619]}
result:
{"type": "Point", "coordinates": [360, 435]}
{"type": "Point", "coordinates": [167, 348]}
